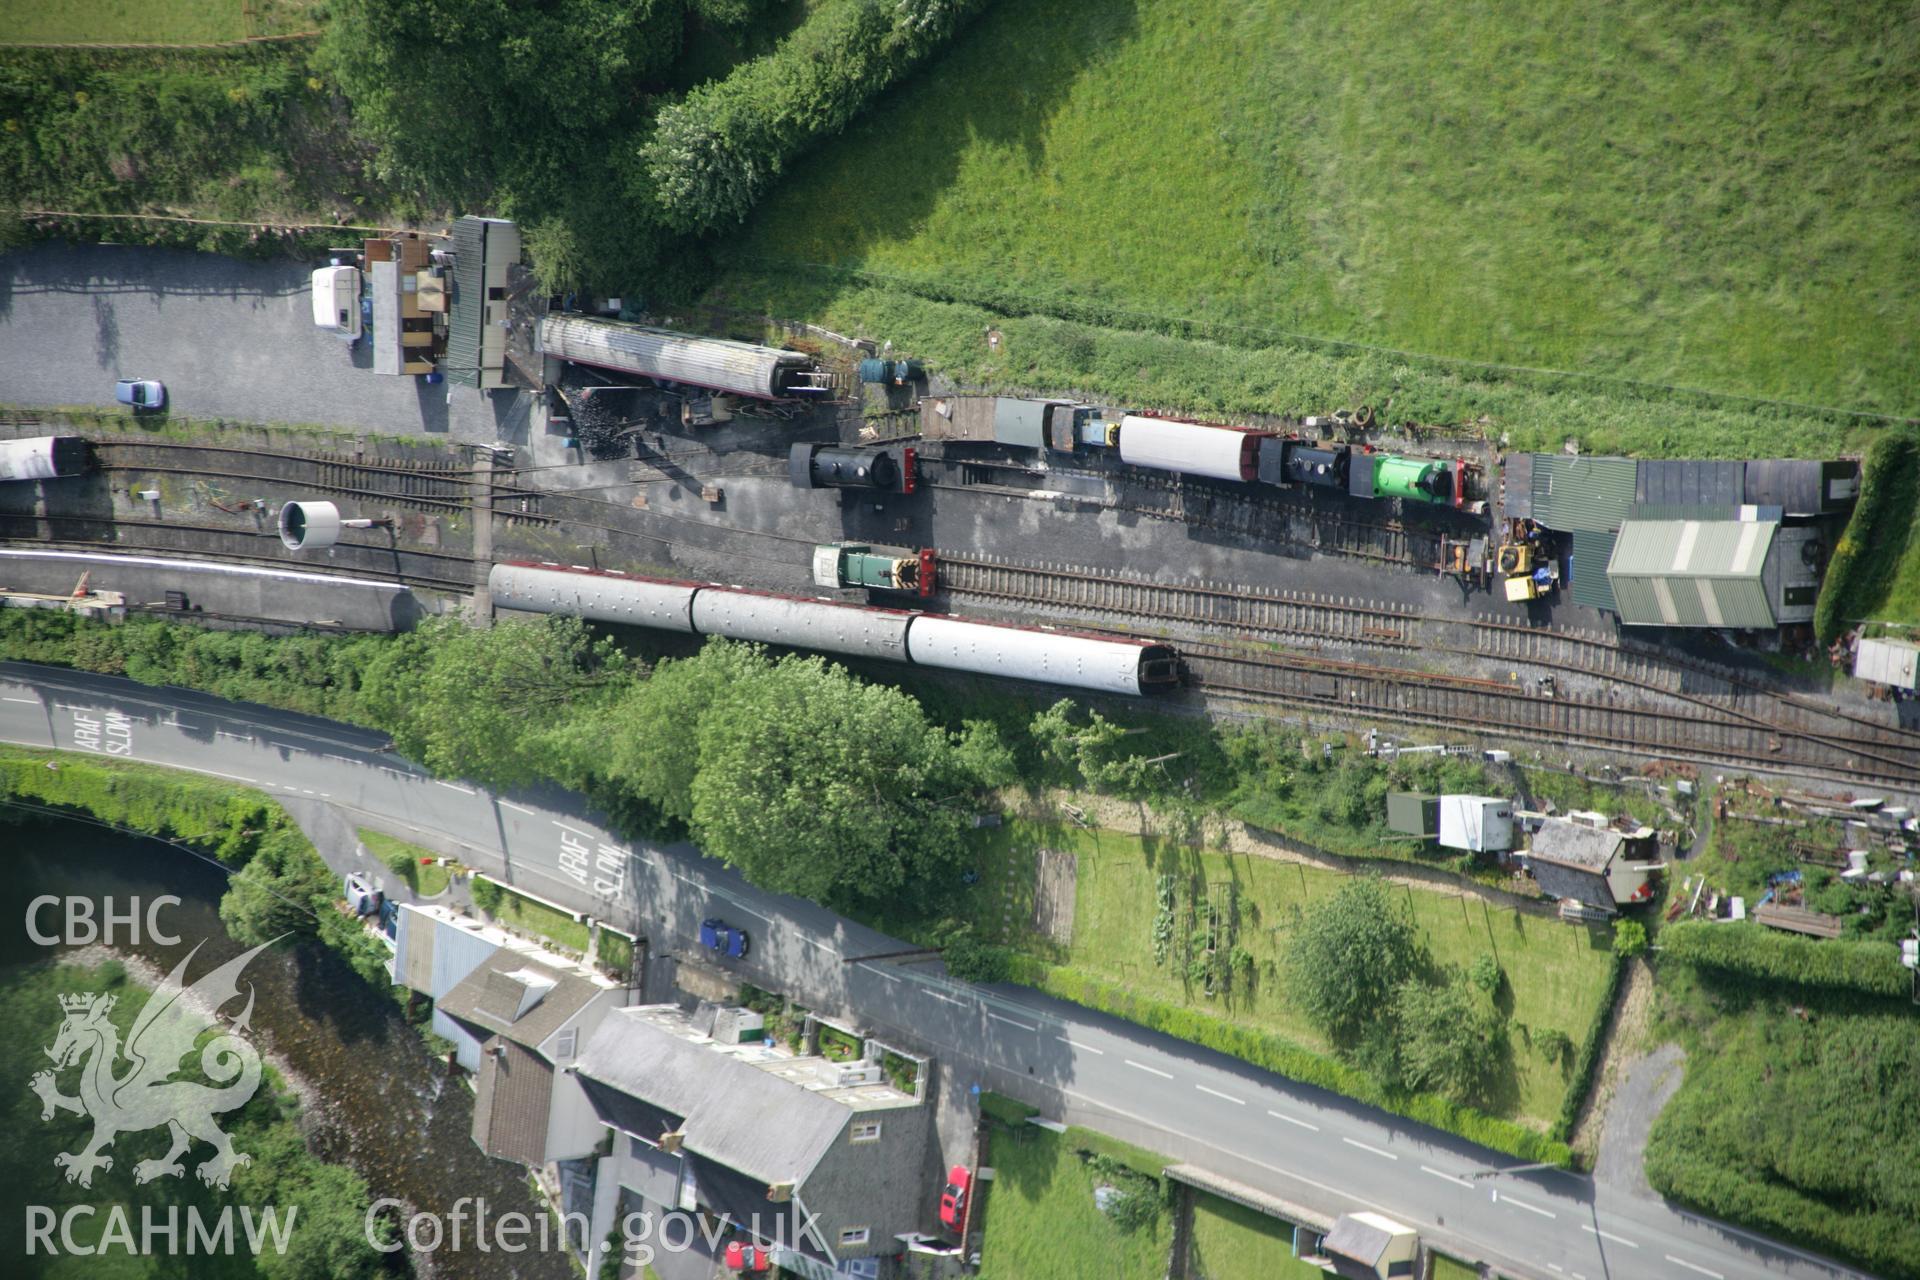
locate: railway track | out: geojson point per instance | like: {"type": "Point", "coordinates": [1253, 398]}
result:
{"type": "Point", "coordinates": [441, 487]}
{"type": "Point", "coordinates": [1722, 715]}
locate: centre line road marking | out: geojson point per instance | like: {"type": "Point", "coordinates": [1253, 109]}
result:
{"type": "Point", "coordinates": [1238, 1102]}
{"type": "Point", "coordinates": [1375, 1150]}
{"type": "Point", "coordinates": [941, 995]}
{"type": "Point", "coordinates": [1682, 1262]}
{"type": "Point", "coordinates": [1084, 1048]}
{"type": "Point", "coordinates": [216, 773]}
{"type": "Point", "coordinates": [1291, 1120]}
{"type": "Point", "coordinates": [884, 974]}
{"type": "Point", "coordinates": [1554, 1266]}
{"type": "Point", "coordinates": [32, 702]}
{"type": "Point", "coordinates": [1608, 1235]}
{"type": "Point", "coordinates": [517, 808]}
{"type": "Point", "coordinates": [1152, 1071]}
{"type": "Point", "coordinates": [1010, 1022]}
{"type": "Point", "coordinates": [1458, 1182]}
{"type": "Point", "coordinates": [449, 786]}
{"type": "Point", "coordinates": [1530, 1208]}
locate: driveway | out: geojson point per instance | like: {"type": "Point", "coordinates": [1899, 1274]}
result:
{"type": "Point", "coordinates": [230, 338]}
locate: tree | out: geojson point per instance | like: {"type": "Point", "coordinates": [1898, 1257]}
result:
{"type": "Point", "coordinates": [280, 890]}
{"type": "Point", "coordinates": [1091, 751]}
{"type": "Point", "coordinates": [813, 783]}
{"type": "Point", "coordinates": [1629, 939]}
{"type": "Point", "coordinates": [468, 97]}
{"type": "Point", "coordinates": [1347, 956]}
{"type": "Point", "coordinates": [1449, 1040]}
{"type": "Point", "coordinates": [1487, 974]}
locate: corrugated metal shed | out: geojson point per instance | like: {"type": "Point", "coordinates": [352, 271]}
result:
{"type": "Point", "coordinates": [1570, 494]}
{"type": "Point", "coordinates": [1693, 573]}
{"type": "Point", "coordinates": [1802, 487]}
{"type": "Point", "coordinates": [1691, 483]}
{"type": "Point", "coordinates": [1893, 662]}
{"type": "Point", "coordinates": [467, 309]}
{"type": "Point", "coordinates": [1588, 563]}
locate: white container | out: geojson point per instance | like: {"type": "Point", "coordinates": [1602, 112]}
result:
{"type": "Point", "coordinates": [1480, 824]}
{"type": "Point", "coordinates": [1195, 448]}
{"type": "Point", "coordinates": [309, 526]}
{"type": "Point", "coordinates": [1890, 662]}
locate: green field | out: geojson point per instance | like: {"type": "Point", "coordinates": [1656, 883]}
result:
{"type": "Point", "coordinates": [1235, 1243]}
{"type": "Point", "coordinates": [1556, 974]}
{"type": "Point", "coordinates": [150, 21]}
{"type": "Point", "coordinates": [1039, 1215]}
{"type": "Point", "coordinates": [1695, 194]}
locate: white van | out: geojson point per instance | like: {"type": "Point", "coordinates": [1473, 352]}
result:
{"type": "Point", "coordinates": [336, 300]}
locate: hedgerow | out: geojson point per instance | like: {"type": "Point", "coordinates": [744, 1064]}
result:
{"type": "Point", "coordinates": [714, 154]}
{"type": "Point", "coordinates": [1867, 554]}
{"type": "Point", "coordinates": [1277, 1054]}
{"type": "Point", "coordinates": [1589, 1059]}
{"type": "Point", "coordinates": [1756, 952]}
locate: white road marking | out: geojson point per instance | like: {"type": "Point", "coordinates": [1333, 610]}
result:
{"type": "Point", "coordinates": [32, 702]}
{"type": "Point", "coordinates": [237, 737]}
{"type": "Point", "coordinates": [1238, 1102]}
{"type": "Point", "coordinates": [1608, 1235]}
{"type": "Point", "coordinates": [1375, 1150]}
{"type": "Point", "coordinates": [1682, 1262]}
{"type": "Point", "coordinates": [1530, 1208]}
{"type": "Point", "coordinates": [1292, 1120]}
{"type": "Point", "coordinates": [236, 777]}
{"type": "Point", "coordinates": [569, 830]}
{"type": "Point", "coordinates": [882, 973]}
{"type": "Point", "coordinates": [1447, 1177]}
{"type": "Point", "coordinates": [449, 786]}
{"type": "Point", "coordinates": [941, 995]}
{"type": "Point", "coordinates": [517, 808]}
{"type": "Point", "coordinates": [1010, 1022]}
{"type": "Point", "coordinates": [1554, 1266]}
{"type": "Point", "coordinates": [1152, 1071]}
{"type": "Point", "coordinates": [803, 937]}
{"type": "Point", "coordinates": [1083, 1048]}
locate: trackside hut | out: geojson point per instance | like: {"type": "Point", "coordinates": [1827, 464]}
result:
{"type": "Point", "coordinates": [768, 1139]}
{"type": "Point", "coordinates": [1744, 573]}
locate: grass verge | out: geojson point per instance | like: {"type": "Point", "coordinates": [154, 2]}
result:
{"type": "Point", "coordinates": [420, 868]}
{"type": "Point", "coordinates": [537, 918]}
{"type": "Point", "coordinates": [1232, 1242]}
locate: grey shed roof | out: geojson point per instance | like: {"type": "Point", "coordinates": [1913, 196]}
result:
{"type": "Point", "coordinates": [735, 1113]}
{"type": "Point", "coordinates": [1691, 483]}
{"type": "Point", "coordinates": [1583, 886]}
{"type": "Point", "coordinates": [1801, 486]}
{"type": "Point", "coordinates": [1516, 479]}
{"type": "Point", "coordinates": [1353, 1238]}
{"type": "Point", "coordinates": [1591, 552]}
{"type": "Point", "coordinates": [1575, 844]}
{"type": "Point", "coordinates": [488, 997]}
{"type": "Point", "coordinates": [1582, 493]}
{"type": "Point", "coordinates": [467, 307]}
{"type": "Point", "coordinates": [1693, 573]}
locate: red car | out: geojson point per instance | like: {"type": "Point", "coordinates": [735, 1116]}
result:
{"type": "Point", "coordinates": [953, 1201]}
{"type": "Point", "coordinates": [741, 1256]}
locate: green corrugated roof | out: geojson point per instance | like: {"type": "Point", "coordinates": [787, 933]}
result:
{"type": "Point", "coordinates": [1591, 553]}
{"type": "Point", "coordinates": [1582, 493]}
{"type": "Point", "coordinates": [467, 308]}
{"type": "Point", "coordinates": [1692, 573]}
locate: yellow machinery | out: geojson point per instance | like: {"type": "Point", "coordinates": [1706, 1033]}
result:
{"type": "Point", "coordinates": [1529, 574]}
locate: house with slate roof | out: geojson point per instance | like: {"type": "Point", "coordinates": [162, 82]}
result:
{"type": "Point", "coordinates": [1585, 861]}
{"type": "Point", "coordinates": [824, 1163]}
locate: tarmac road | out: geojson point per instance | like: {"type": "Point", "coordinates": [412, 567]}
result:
{"type": "Point", "coordinates": [1289, 1140]}
{"type": "Point", "coordinates": [231, 339]}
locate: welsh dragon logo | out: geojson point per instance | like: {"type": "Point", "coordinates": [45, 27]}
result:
{"type": "Point", "coordinates": [145, 1095]}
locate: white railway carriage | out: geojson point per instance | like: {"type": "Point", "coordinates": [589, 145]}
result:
{"type": "Point", "coordinates": [43, 457]}
{"type": "Point", "coordinates": [801, 623]}
{"type": "Point", "coordinates": [1101, 664]}
{"type": "Point", "coordinates": [765, 373]}
{"type": "Point", "coordinates": [586, 593]}
{"type": "Point", "coordinates": [1030, 653]}
{"type": "Point", "coordinates": [1197, 448]}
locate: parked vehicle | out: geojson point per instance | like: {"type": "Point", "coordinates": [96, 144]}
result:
{"type": "Point", "coordinates": [141, 393]}
{"type": "Point", "coordinates": [750, 1258]}
{"type": "Point", "coordinates": [953, 1200]}
{"type": "Point", "coordinates": [363, 895]}
{"type": "Point", "coordinates": [717, 935]}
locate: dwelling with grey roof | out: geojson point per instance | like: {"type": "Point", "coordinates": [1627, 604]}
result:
{"type": "Point", "coordinates": [517, 1015]}
{"type": "Point", "coordinates": [824, 1163]}
{"type": "Point", "coordinates": [1584, 860]}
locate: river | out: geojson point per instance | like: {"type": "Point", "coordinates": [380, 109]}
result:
{"type": "Point", "coordinates": [377, 1099]}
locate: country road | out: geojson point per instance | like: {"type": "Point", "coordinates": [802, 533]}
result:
{"type": "Point", "coordinates": [1292, 1141]}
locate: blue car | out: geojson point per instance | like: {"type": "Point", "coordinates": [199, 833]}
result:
{"type": "Point", "coordinates": [141, 393]}
{"type": "Point", "coordinates": [717, 935]}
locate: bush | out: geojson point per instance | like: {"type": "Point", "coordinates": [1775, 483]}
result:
{"type": "Point", "coordinates": [1487, 974]}
{"type": "Point", "coordinates": [1867, 554]}
{"type": "Point", "coordinates": [1278, 1054]}
{"type": "Point", "coordinates": [1629, 939]}
{"type": "Point", "coordinates": [486, 895]}
{"type": "Point", "coordinates": [1764, 955]}
{"type": "Point", "coordinates": [713, 155]}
